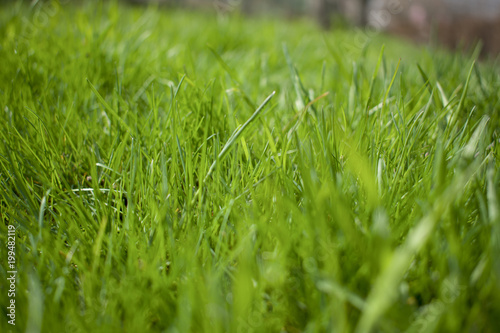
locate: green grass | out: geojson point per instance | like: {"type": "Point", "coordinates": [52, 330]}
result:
{"type": "Point", "coordinates": [150, 192]}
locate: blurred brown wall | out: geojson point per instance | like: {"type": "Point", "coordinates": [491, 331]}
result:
{"type": "Point", "coordinates": [450, 23]}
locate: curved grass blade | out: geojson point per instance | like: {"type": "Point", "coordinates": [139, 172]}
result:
{"type": "Point", "coordinates": [229, 144]}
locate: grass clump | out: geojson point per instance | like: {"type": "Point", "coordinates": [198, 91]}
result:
{"type": "Point", "coordinates": [150, 192]}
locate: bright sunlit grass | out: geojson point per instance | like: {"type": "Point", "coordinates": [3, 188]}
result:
{"type": "Point", "coordinates": [176, 172]}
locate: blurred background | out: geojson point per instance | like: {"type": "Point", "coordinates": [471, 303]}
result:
{"type": "Point", "coordinates": [455, 24]}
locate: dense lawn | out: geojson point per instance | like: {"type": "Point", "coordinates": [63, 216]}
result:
{"type": "Point", "coordinates": [157, 184]}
